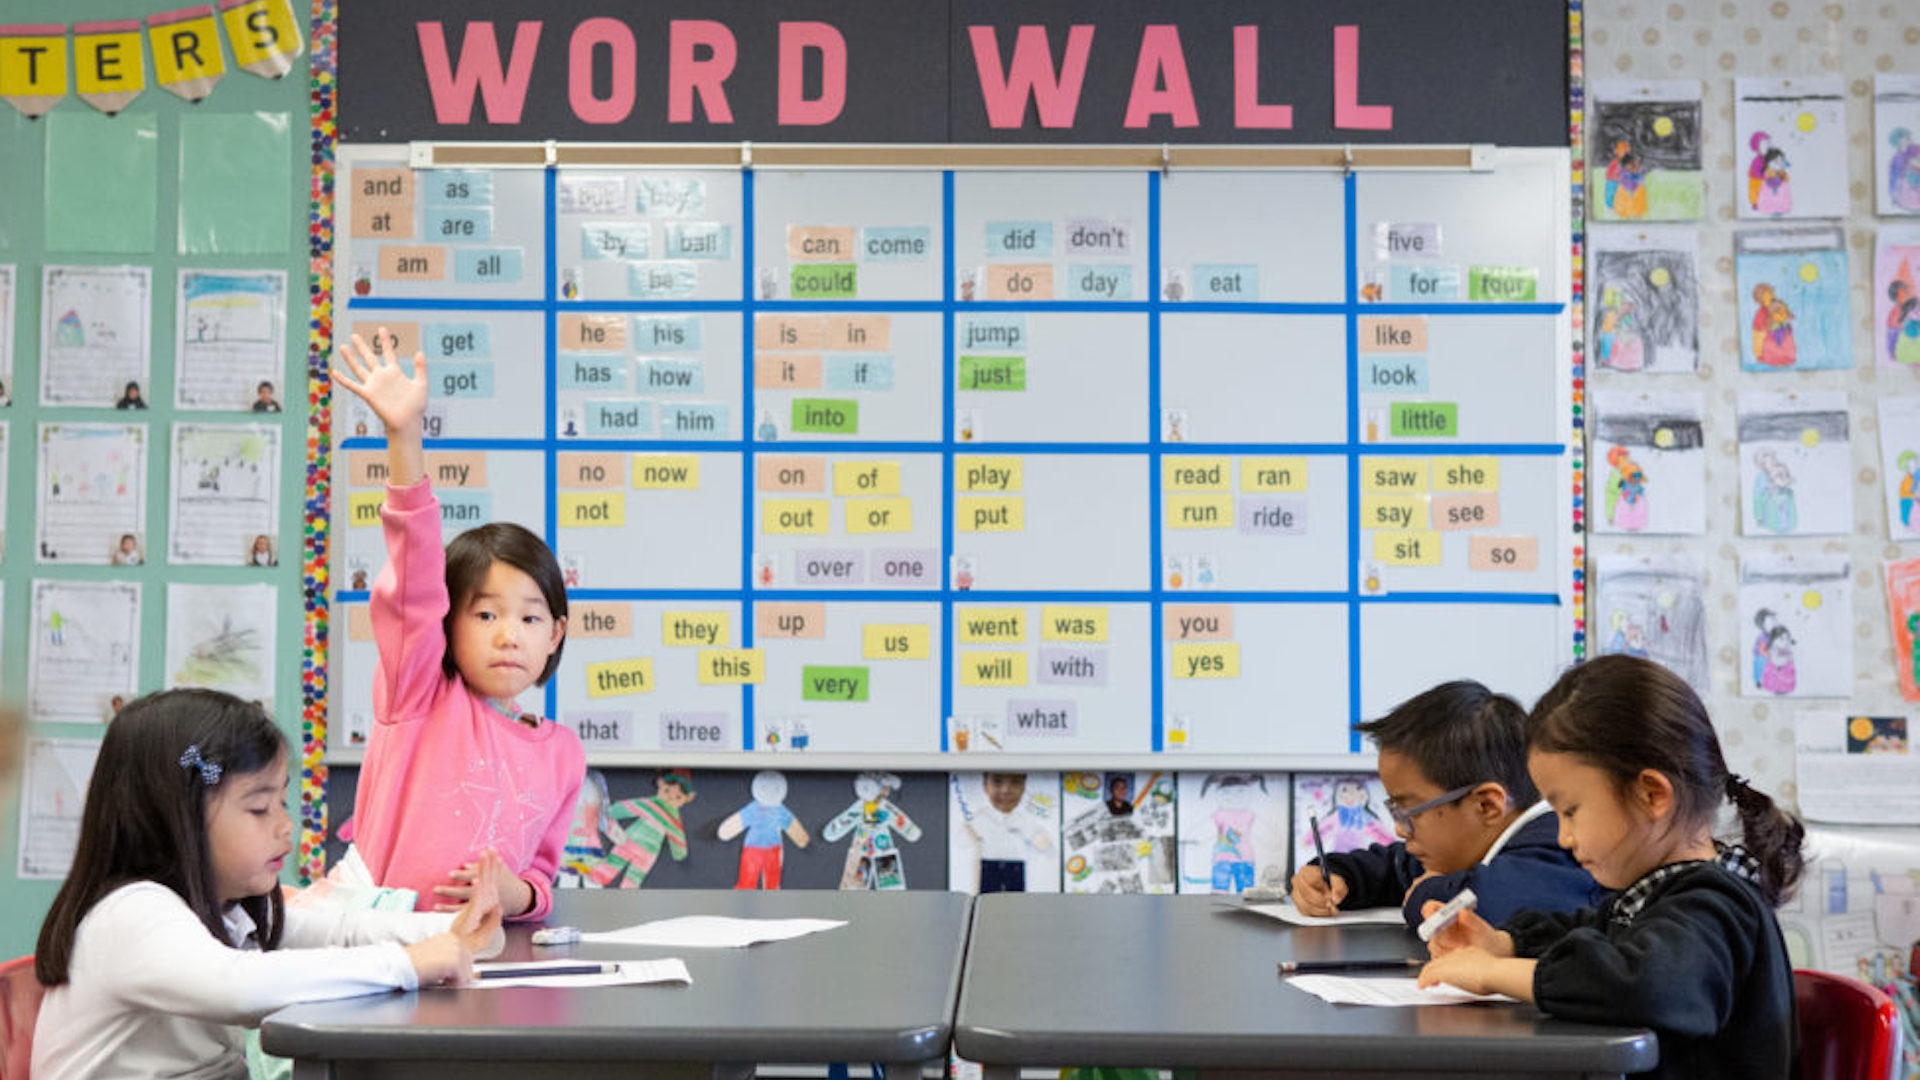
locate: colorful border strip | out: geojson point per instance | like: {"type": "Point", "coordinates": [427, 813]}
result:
{"type": "Point", "coordinates": [1577, 308]}
{"type": "Point", "coordinates": [313, 659]}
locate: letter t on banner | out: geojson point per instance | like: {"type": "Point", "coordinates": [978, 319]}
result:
{"type": "Point", "coordinates": [33, 67]}
{"type": "Point", "coordinates": [109, 66]}
{"type": "Point", "coordinates": [187, 60]}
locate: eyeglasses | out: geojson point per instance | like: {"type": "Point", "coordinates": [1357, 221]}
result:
{"type": "Point", "coordinates": [1403, 816]}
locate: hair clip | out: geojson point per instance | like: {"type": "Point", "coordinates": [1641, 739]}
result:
{"type": "Point", "coordinates": [209, 770]}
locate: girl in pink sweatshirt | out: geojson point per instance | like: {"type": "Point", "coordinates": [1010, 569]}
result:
{"type": "Point", "coordinates": [454, 767]}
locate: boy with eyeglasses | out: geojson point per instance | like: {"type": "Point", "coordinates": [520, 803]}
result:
{"type": "Point", "coordinates": [1454, 762]}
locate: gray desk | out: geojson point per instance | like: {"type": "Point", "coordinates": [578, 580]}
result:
{"type": "Point", "coordinates": [1181, 981]}
{"type": "Point", "coordinates": [881, 988]}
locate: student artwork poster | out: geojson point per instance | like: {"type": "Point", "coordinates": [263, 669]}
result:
{"type": "Point", "coordinates": [1350, 809]}
{"type": "Point", "coordinates": [96, 336]}
{"type": "Point", "coordinates": [53, 791]}
{"type": "Point", "coordinates": [1856, 911]}
{"type": "Point", "coordinates": [1794, 464]}
{"type": "Point", "coordinates": [1896, 298]}
{"type": "Point", "coordinates": [1233, 830]}
{"type": "Point", "coordinates": [1118, 835]}
{"type": "Point", "coordinates": [1649, 455]}
{"type": "Point", "coordinates": [225, 494]}
{"type": "Point", "coordinates": [1797, 613]}
{"type": "Point", "coordinates": [1855, 769]}
{"type": "Point", "coordinates": [222, 637]}
{"type": "Point", "coordinates": [231, 350]}
{"type": "Point", "coordinates": [1900, 465]}
{"type": "Point", "coordinates": [1654, 608]}
{"type": "Point", "coordinates": [1645, 299]}
{"type": "Point", "coordinates": [1903, 606]}
{"type": "Point", "coordinates": [83, 655]}
{"type": "Point", "coordinates": [1791, 138]}
{"type": "Point", "coordinates": [1645, 139]}
{"type": "Point", "coordinates": [1791, 289]}
{"type": "Point", "coordinates": [92, 494]}
{"type": "Point", "coordinates": [1005, 832]}
{"type": "Point", "coordinates": [1896, 144]}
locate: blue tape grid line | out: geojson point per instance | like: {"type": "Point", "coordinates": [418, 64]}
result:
{"type": "Point", "coordinates": [1153, 449]}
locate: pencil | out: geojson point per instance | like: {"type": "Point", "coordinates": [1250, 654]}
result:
{"type": "Point", "coordinates": [1315, 967]}
{"type": "Point", "coordinates": [1320, 853]}
{"type": "Point", "coordinates": [544, 972]}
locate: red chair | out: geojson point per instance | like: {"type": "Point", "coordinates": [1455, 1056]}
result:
{"type": "Point", "coordinates": [19, 1008]}
{"type": "Point", "coordinates": [1848, 1030]}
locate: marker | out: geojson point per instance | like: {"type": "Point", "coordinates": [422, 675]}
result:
{"type": "Point", "coordinates": [1444, 918]}
{"type": "Point", "coordinates": [1320, 853]}
{"type": "Point", "coordinates": [517, 972]}
{"type": "Point", "coordinates": [1314, 967]}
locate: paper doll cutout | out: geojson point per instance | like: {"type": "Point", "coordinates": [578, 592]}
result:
{"type": "Point", "coordinates": [1004, 834]}
{"type": "Point", "coordinates": [585, 851]}
{"type": "Point", "coordinates": [873, 857]}
{"type": "Point", "coordinates": [640, 827]}
{"type": "Point", "coordinates": [764, 820]}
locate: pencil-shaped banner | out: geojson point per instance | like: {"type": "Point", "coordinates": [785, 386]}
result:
{"type": "Point", "coordinates": [187, 60]}
{"type": "Point", "coordinates": [109, 67]}
{"type": "Point", "coordinates": [264, 35]}
{"type": "Point", "coordinates": [33, 67]}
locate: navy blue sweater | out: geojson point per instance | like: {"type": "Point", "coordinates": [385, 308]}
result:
{"type": "Point", "coordinates": [1532, 872]}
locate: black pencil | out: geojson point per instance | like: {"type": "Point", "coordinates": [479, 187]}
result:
{"type": "Point", "coordinates": [1315, 967]}
{"type": "Point", "coordinates": [545, 972]}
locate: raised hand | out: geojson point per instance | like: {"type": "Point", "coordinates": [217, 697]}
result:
{"type": "Point", "coordinates": [398, 397]}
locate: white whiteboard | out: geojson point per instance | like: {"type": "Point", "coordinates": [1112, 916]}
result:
{"type": "Point", "coordinates": [1016, 469]}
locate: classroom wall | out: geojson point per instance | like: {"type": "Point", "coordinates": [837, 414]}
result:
{"type": "Point", "coordinates": [1713, 41]}
{"type": "Point", "coordinates": [23, 197]}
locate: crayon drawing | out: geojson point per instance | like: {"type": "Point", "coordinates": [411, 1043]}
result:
{"type": "Point", "coordinates": [1649, 455]}
{"type": "Point", "coordinates": [1896, 144]}
{"type": "Point", "coordinates": [1654, 609]}
{"type": "Point", "coordinates": [1797, 612]}
{"type": "Point", "coordinates": [1233, 830]}
{"type": "Point", "coordinates": [1645, 139]}
{"type": "Point", "coordinates": [1896, 298]}
{"type": "Point", "coordinates": [1903, 605]}
{"type": "Point", "coordinates": [1791, 135]}
{"type": "Point", "coordinates": [1791, 287]}
{"type": "Point", "coordinates": [1645, 299]}
{"type": "Point", "coordinates": [1350, 809]}
{"type": "Point", "coordinates": [1794, 464]}
{"type": "Point", "coordinates": [1900, 464]}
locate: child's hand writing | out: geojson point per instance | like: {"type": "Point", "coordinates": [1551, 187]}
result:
{"type": "Point", "coordinates": [1469, 931]}
{"type": "Point", "coordinates": [377, 378]}
{"type": "Point", "coordinates": [441, 958]}
{"type": "Point", "coordinates": [1312, 895]}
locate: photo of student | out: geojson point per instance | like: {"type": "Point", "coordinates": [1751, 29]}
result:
{"type": "Point", "coordinates": [1119, 797]}
{"type": "Point", "coordinates": [263, 399]}
{"type": "Point", "coordinates": [6, 399]}
{"type": "Point", "coordinates": [1453, 761]}
{"type": "Point", "coordinates": [127, 552]}
{"type": "Point", "coordinates": [130, 398]}
{"type": "Point", "coordinates": [261, 553]}
{"type": "Point", "coordinates": [1689, 946]}
{"type": "Point", "coordinates": [171, 934]}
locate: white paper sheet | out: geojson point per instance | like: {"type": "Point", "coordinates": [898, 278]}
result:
{"type": "Point", "coordinates": [52, 794]}
{"type": "Point", "coordinates": [626, 973]}
{"type": "Point", "coordinates": [1343, 990]}
{"type": "Point", "coordinates": [222, 637]}
{"type": "Point", "coordinates": [96, 335]}
{"type": "Point", "coordinates": [1287, 913]}
{"type": "Point", "coordinates": [92, 494]}
{"type": "Point", "coordinates": [226, 495]}
{"type": "Point", "coordinates": [1796, 614]}
{"type": "Point", "coordinates": [85, 649]}
{"type": "Point", "coordinates": [1856, 769]}
{"type": "Point", "coordinates": [232, 338]}
{"type": "Point", "coordinates": [710, 931]}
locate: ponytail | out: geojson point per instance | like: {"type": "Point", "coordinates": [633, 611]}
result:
{"type": "Point", "coordinates": [1770, 835]}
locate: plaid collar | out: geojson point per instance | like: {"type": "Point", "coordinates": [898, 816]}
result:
{"type": "Point", "coordinates": [1732, 858]}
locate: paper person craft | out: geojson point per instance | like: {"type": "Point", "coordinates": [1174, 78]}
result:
{"type": "Point", "coordinates": [764, 820]}
{"type": "Point", "coordinates": [641, 826]}
{"type": "Point", "coordinates": [873, 857]}
{"type": "Point", "coordinates": [586, 851]}
{"type": "Point", "coordinates": [1005, 826]}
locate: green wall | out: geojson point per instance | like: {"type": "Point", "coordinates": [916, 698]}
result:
{"type": "Point", "coordinates": [23, 234]}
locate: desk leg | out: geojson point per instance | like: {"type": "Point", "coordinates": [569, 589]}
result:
{"type": "Point", "coordinates": [999, 1072]}
{"type": "Point", "coordinates": [313, 1070]}
{"type": "Point", "coordinates": [725, 1070]}
{"type": "Point", "coordinates": [909, 1070]}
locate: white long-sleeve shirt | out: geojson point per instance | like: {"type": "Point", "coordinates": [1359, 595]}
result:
{"type": "Point", "coordinates": [151, 993]}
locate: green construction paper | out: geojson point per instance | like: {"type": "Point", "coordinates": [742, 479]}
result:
{"type": "Point", "coordinates": [825, 281]}
{"type": "Point", "coordinates": [834, 416]}
{"type": "Point", "coordinates": [1426, 419]}
{"type": "Point", "coordinates": [1509, 284]}
{"type": "Point", "coordinates": [236, 192]}
{"type": "Point", "coordinates": [103, 181]}
{"type": "Point", "coordinates": [833, 683]}
{"type": "Point", "coordinates": [993, 373]}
